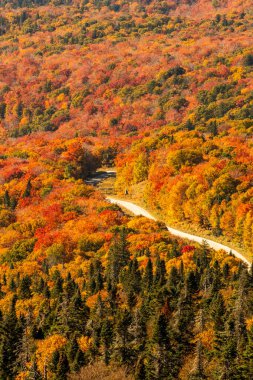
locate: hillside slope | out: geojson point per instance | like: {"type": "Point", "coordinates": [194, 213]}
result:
{"type": "Point", "coordinates": [164, 91]}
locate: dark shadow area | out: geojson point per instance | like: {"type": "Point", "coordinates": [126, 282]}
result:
{"type": "Point", "coordinates": [100, 176]}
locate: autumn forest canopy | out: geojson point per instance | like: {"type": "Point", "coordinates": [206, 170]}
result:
{"type": "Point", "coordinates": [163, 92]}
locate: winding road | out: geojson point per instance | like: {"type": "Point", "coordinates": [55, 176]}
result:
{"type": "Point", "coordinates": [137, 210]}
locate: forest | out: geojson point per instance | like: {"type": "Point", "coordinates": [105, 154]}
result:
{"type": "Point", "coordinates": [162, 91]}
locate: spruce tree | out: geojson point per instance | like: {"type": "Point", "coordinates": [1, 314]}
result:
{"type": "Point", "coordinates": [10, 337]}
{"type": "Point", "coordinates": [106, 339]}
{"type": "Point", "coordinates": [7, 200]}
{"type": "Point", "coordinates": [197, 372]}
{"type": "Point", "coordinates": [25, 290]}
{"type": "Point", "coordinates": [164, 365]}
{"type": "Point", "coordinates": [118, 256]}
{"type": "Point", "coordinates": [160, 272]}
{"type": "Point", "coordinates": [98, 274]}
{"type": "Point", "coordinates": [27, 192]}
{"type": "Point", "coordinates": [246, 366]}
{"type": "Point", "coordinates": [122, 351]}
{"type": "Point", "coordinates": [148, 276]}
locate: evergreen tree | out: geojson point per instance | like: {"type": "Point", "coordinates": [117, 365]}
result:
{"type": "Point", "coordinates": [11, 333]}
{"type": "Point", "coordinates": [7, 200]}
{"type": "Point", "coordinates": [138, 331]}
{"type": "Point", "coordinates": [98, 274]}
{"type": "Point", "coordinates": [148, 276]}
{"type": "Point", "coordinates": [27, 192]}
{"type": "Point", "coordinates": [164, 363]}
{"type": "Point", "coordinates": [191, 282]}
{"type": "Point", "coordinates": [228, 351]}
{"type": "Point", "coordinates": [245, 369]}
{"type": "Point", "coordinates": [26, 346]}
{"type": "Point", "coordinates": [12, 285]}
{"type": "Point", "coordinates": [218, 312]}
{"type": "Point", "coordinates": [25, 290]}
{"type": "Point", "coordinates": [197, 372]}
{"type": "Point", "coordinates": [118, 256]}
{"type": "Point", "coordinates": [70, 287]}
{"type": "Point", "coordinates": [58, 287]}
{"type": "Point", "coordinates": [59, 365]}
{"type": "Point", "coordinates": [160, 272]}
{"type": "Point", "coordinates": [122, 351]}
{"type": "Point", "coordinates": [74, 355]}
{"type": "Point", "coordinates": [71, 316]}
{"type": "Point", "coordinates": [106, 339]}
{"type": "Point", "coordinates": [173, 281]}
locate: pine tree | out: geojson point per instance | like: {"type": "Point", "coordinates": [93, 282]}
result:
{"type": "Point", "coordinates": [164, 365]}
{"type": "Point", "coordinates": [70, 287]}
{"type": "Point", "coordinates": [7, 200]}
{"type": "Point", "coordinates": [160, 272]}
{"type": "Point", "coordinates": [71, 316]}
{"type": "Point", "coordinates": [118, 256]}
{"type": "Point", "coordinates": [228, 350]}
{"type": "Point", "coordinates": [2, 294]}
{"type": "Point", "coordinates": [98, 270]}
{"type": "Point", "coordinates": [218, 313]}
{"type": "Point", "coordinates": [12, 285]}
{"type": "Point", "coordinates": [106, 339]}
{"type": "Point", "coordinates": [191, 282]}
{"type": "Point", "coordinates": [122, 351]}
{"type": "Point", "coordinates": [59, 365]}
{"type": "Point", "coordinates": [138, 331]}
{"type": "Point", "coordinates": [74, 355]}
{"type": "Point", "coordinates": [27, 192]}
{"type": "Point", "coordinates": [184, 318]}
{"type": "Point", "coordinates": [239, 311]}
{"type": "Point", "coordinates": [160, 335]}
{"type": "Point", "coordinates": [92, 282]}
{"type": "Point", "coordinates": [26, 347]}
{"type": "Point", "coordinates": [46, 291]}
{"type": "Point", "coordinates": [216, 282]}
{"type": "Point", "coordinates": [148, 276]}
{"type": "Point", "coordinates": [135, 276]}
{"type": "Point", "coordinates": [197, 372]}
{"type": "Point", "coordinates": [10, 337]}
{"type": "Point", "coordinates": [173, 280]}
{"type": "Point", "coordinates": [24, 290]}
{"type": "Point", "coordinates": [58, 288]}
{"type": "Point", "coordinates": [213, 128]}
{"type": "Point", "coordinates": [246, 367]}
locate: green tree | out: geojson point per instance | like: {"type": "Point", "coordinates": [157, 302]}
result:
{"type": "Point", "coordinates": [118, 256]}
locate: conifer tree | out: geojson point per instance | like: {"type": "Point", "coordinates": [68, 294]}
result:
{"type": "Point", "coordinates": [59, 365]}
{"type": "Point", "coordinates": [122, 349]}
{"type": "Point", "coordinates": [138, 330]}
{"type": "Point", "coordinates": [7, 200]}
{"type": "Point", "coordinates": [118, 256]}
{"type": "Point", "coordinates": [70, 287]}
{"type": "Point", "coordinates": [148, 276]}
{"type": "Point", "coordinates": [160, 272]}
{"type": "Point", "coordinates": [11, 333]}
{"type": "Point", "coordinates": [197, 372]}
{"type": "Point", "coordinates": [98, 273]}
{"type": "Point", "coordinates": [164, 364]}
{"type": "Point", "coordinates": [25, 290]}
{"type": "Point", "coordinates": [106, 339]}
{"type": "Point", "coordinates": [245, 369]}
{"type": "Point", "coordinates": [27, 192]}
{"type": "Point", "coordinates": [228, 350]}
